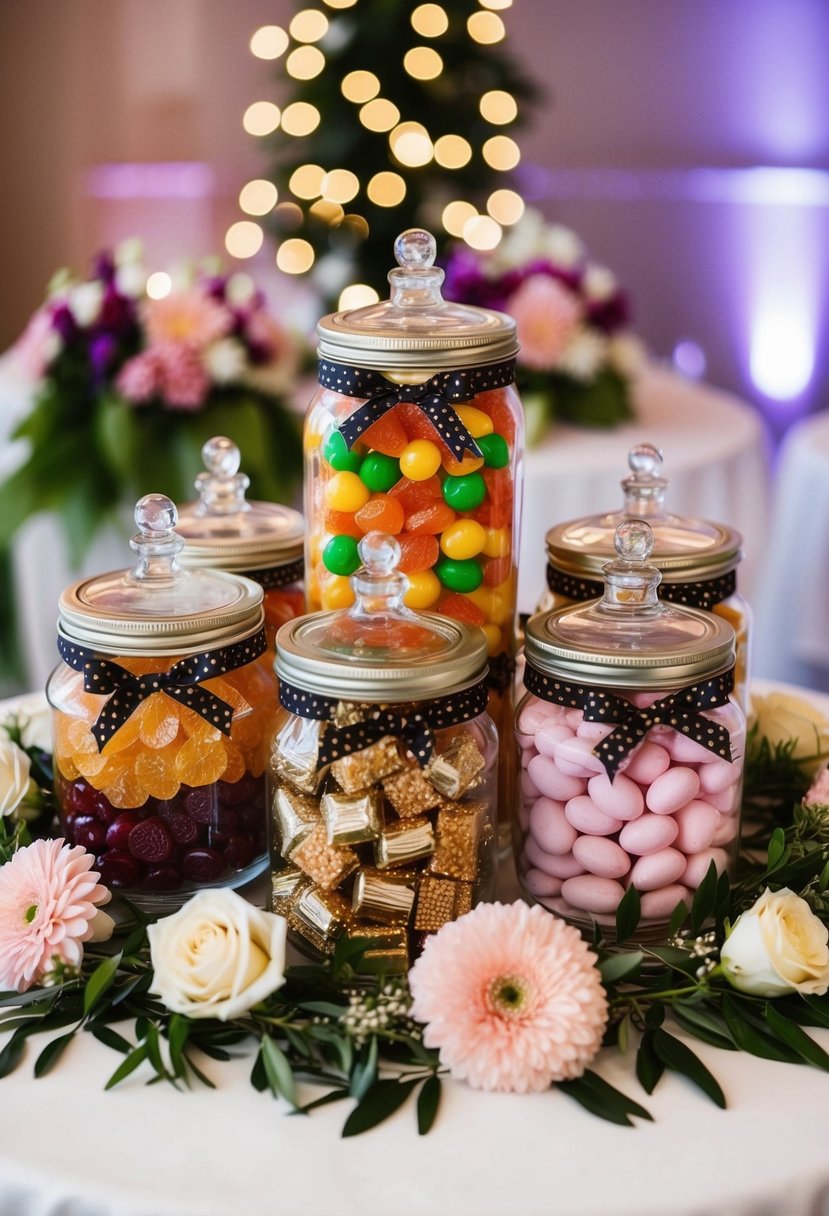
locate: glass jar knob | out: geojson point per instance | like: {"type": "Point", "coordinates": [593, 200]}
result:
{"type": "Point", "coordinates": [645, 487]}
{"type": "Point", "coordinates": [630, 582]}
{"type": "Point", "coordinates": [415, 248]}
{"type": "Point", "coordinates": [415, 281]}
{"type": "Point", "coordinates": [222, 487]}
{"type": "Point", "coordinates": [155, 543]}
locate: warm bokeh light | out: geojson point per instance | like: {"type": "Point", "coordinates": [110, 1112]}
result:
{"type": "Point", "coordinates": [357, 295]}
{"type": "Point", "coordinates": [501, 152]}
{"type": "Point", "coordinates": [330, 213]}
{"type": "Point", "coordinates": [452, 151]}
{"type": "Point", "coordinates": [340, 186]}
{"type": "Point", "coordinates": [289, 215]}
{"type": "Point", "coordinates": [386, 189]}
{"type": "Point", "coordinates": [309, 25]}
{"type": "Point", "coordinates": [360, 86]}
{"type": "Point", "coordinates": [485, 28]}
{"type": "Point", "coordinates": [423, 63]}
{"type": "Point", "coordinates": [300, 118]}
{"type": "Point", "coordinates": [261, 118]}
{"type": "Point", "coordinates": [306, 181]}
{"type": "Point", "coordinates": [429, 20]}
{"type": "Point", "coordinates": [495, 3]}
{"type": "Point", "coordinates": [269, 42]}
{"type": "Point", "coordinates": [305, 63]}
{"type": "Point", "coordinates": [159, 285]}
{"type": "Point", "coordinates": [340, 3]}
{"type": "Point", "coordinates": [258, 197]}
{"type": "Point", "coordinates": [379, 115]}
{"type": "Point", "coordinates": [481, 232]}
{"type": "Point", "coordinates": [505, 206]}
{"type": "Point", "coordinates": [411, 144]}
{"type": "Point", "coordinates": [358, 225]}
{"type": "Point", "coordinates": [499, 107]}
{"type": "Point", "coordinates": [456, 215]}
{"type": "Point", "coordinates": [243, 239]}
{"type": "Point", "coordinates": [295, 256]}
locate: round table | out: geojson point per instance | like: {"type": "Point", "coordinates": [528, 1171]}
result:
{"type": "Point", "coordinates": [715, 461]}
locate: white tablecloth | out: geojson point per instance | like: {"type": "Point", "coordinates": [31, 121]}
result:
{"type": "Point", "coordinates": [715, 461]}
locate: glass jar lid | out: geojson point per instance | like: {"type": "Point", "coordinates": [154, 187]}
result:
{"type": "Point", "coordinates": [682, 546]}
{"type": "Point", "coordinates": [156, 608]}
{"type": "Point", "coordinates": [629, 637]}
{"type": "Point", "coordinates": [224, 530]}
{"type": "Point", "coordinates": [416, 328]}
{"type": "Point", "coordinates": [378, 650]}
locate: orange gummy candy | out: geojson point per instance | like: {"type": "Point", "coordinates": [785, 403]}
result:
{"type": "Point", "coordinates": [495, 404]}
{"type": "Point", "coordinates": [412, 495]}
{"type": "Point", "coordinates": [431, 519]}
{"type": "Point", "coordinates": [282, 605]}
{"type": "Point", "coordinates": [342, 523]}
{"type": "Point", "coordinates": [462, 609]}
{"type": "Point", "coordinates": [497, 570]}
{"type": "Point", "coordinates": [459, 468]}
{"type": "Point", "coordinates": [198, 763]}
{"type": "Point", "coordinates": [381, 513]}
{"type": "Point", "coordinates": [387, 435]}
{"type": "Point", "coordinates": [158, 720]}
{"type": "Point", "coordinates": [417, 552]}
{"type": "Point", "coordinates": [155, 770]}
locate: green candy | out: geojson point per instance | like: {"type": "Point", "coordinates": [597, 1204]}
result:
{"type": "Point", "coordinates": [460, 575]}
{"type": "Point", "coordinates": [380, 472]}
{"type": "Point", "coordinates": [340, 555]}
{"type": "Point", "coordinates": [464, 493]}
{"type": "Point", "coordinates": [494, 451]}
{"type": "Point", "coordinates": [336, 452]}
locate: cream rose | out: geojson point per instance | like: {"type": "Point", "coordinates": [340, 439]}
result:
{"type": "Point", "coordinates": [218, 956]}
{"type": "Point", "coordinates": [781, 717]}
{"type": "Point", "coordinates": [14, 775]}
{"type": "Point", "coordinates": [778, 946]}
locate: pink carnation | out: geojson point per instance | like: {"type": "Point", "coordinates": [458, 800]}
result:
{"type": "Point", "coordinates": [186, 316]}
{"type": "Point", "coordinates": [49, 897]}
{"type": "Point", "coordinates": [547, 316]}
{"type": "Point", "coordinates": [511, 997]}
{"type": "Point", "coordinates": [139, 380]}
{"type": "Point", "coordinates": [818, 792]}
{"type": "Point", "coordinates": [185, 383]}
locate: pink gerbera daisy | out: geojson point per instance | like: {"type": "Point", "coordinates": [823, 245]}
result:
{"type": "Point", "coordinates": [186, 316]}
{"type": "Point", "coordinates": [49, 897]}
{"type": "Point", "coordinates": [511, 997]}
{"type": "Point", "coordinates": [547, 316]}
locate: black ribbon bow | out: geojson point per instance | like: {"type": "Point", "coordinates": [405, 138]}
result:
{"type": "Point", "coordinates": [182, 682]}
{"type": "Point", "coordinates": [681, 710]}
{"type": "Point", "coordinates": [704, 593]}
{"type": "Point", "coordinates": [415, 728]}
{"type": "Point", "coordinates": [435, 398]}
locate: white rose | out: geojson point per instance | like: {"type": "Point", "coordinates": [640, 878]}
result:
{"type": "Point", "coordinates": [781, 717]}
{"type": "Point", "coordinates": [583, 355]}
{"type": "Point", "coordinates": [778, 946]}
{"type": "Point", "coordinates": [218, 956]}
{"type": "Point", "coordinates": [14, 775]}
{"type": "Point", "coordinates": [85, 302]}
{"type": "Point", "coordinates": [598, 283]}
{"type": "Point", "coordinates": [225, 360]}
{"type": "Point", "coordinates": [35, 721]}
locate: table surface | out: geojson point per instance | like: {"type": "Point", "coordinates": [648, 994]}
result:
{"type": "Point", "coordinates": [68, 1148]}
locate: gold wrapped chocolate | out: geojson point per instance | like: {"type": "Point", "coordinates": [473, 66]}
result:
{"type": "Point", "coordinates": [384, 961]}
{"type": "Point", "coordinates": [295, 816]}
{"type": "Point", "coordinates": [326, 863]}
{"type": "Point", "coordinates": [352, 818]}
{"type": "Point", "coordinates": [368, 766]}
{"type": "Point", "coordinates": [458, 838]}
{"type": "Point", "coordinates": [410, 793]}
{"type": "Point", "coordinates": [296, 750]}
{"type": "Point", "coordinates": [453, 771]}
{"type": "Point", "coordinates": [440, 900]}
{"type": "Point", "coordinates": [404, 842]}
{"type": "Point", "coordinates": [286, 886]}
{"type": "Point", "coordinates": [384, 897]}
{"type": "Point", "coordinates": [382, 937]}
{"type": "Point", "coordinates": [320, 917]}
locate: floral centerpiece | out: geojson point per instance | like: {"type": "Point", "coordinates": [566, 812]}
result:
{"type": "Point", "coordinates": [578, 356]}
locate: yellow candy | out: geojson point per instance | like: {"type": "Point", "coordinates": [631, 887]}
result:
{"type": "Point", "coordinates": [337, 593]}
{"type": "Point", "coordinates": [496, 607]}
{"type": "Point", "coordinates": [424, 589]}
{"type": "Point", "coordinates": [419, 460]}
{"type": "Point", "coordinates": [493, 639]}
{"type": "Point", "coordinates": [462, 539]}
{"type": "Point", "coordinates": [497, 543]}
{"type": "Point", "coordinates": [476, 421]}
{"type": "Point", "coordinates": [346, 492]}
{"type": "Point", "coordinates": [311, 440]}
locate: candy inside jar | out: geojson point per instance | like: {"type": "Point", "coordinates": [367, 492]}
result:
{"type": "Point", "coordinates": [632, 751]}
{"type": "Point", "coordinates": [382, 770]}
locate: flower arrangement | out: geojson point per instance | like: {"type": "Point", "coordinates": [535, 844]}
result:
{"type": "Point", "coordinates": [578, 357]}
{"type": "Point", "coordinates": [507, 998]}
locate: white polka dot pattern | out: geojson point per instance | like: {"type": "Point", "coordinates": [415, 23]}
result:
{"type": "Point", "coordinates": [706, 593]}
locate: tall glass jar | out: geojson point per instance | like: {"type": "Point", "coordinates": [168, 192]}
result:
{"type": "Point", "coordinates": [261, 540]}
{"type": "Point", "coordinates": [698, 558]}
{"type": "Point", "coordinates": [383, 769]}
{"type": "Point", "coordinates": [417, 430]}
{"type": "Point", "coordinates": [632, 748]}
{"type": "Point", "coordinates": [162, 713]}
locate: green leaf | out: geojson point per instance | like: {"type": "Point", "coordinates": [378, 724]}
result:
{"type": "Point", "coordinates": [178, 1031]}
{"type": "Point", "coordinates": [675, 1055]}
{"type": "Point", "coordinates": [136, 1057]}
{"type": "Point", "coordinates": [776, 849]}
{"type": "Point", "coordinates": [377, 1104]}
{"type": "Point", "coordinates": [678, 917]}
{"type": "Point", "coordinates": [100, 979]}
{"type": "Point", "coordinates": [749, 1038]}
{"type": "Point", "coordinates": [703, 1025]}
{"type": "Point", "coordinates": [326, 1008]}
{"type": "Point", "coordinates": [627, 915]}
{"type": "Point", "coordinates": [258, 1076]}
{"type": "Point", "coordinates": [278, 1070]}
{"type": "Point", "coordinates": [12, 1053]}
{"type": "Point", "coordinates": [428, 1101]}
{"type": "Point", "coordinates": [702, 905]}
{"type": "Point", "coordinates": [347, 951]}
{"type": "Point", "coordinates": [649, 1067]}
{"type": "Point", "coordinates": [111, 1038]}
{"type": "Point", "coordinates": [617, 967]}
{"type": "Point", "coordinates": [333, 1095]}
{"type": "Point", "coordinates": [819, 1007]}
{"type": "Point", "coordinates": [603, 1099]}
{"type": "Point", "coordinates": [623, 1034]}
{"type": "Point", "coordinates": [51, 1053]}
{"type": "Point", "coordinates": [364, 1072]}
{"type": "Point", "coordinates": [796, 1038]}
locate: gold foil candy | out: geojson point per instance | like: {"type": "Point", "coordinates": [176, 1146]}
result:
{"type": "Point", "coordinates": [384, 897]}
{"type": "Point", "coordinates": [458, 839]}
{"type": "Point", "coordinates": [388, 952]}
{"type": "Point", "coordinates": [382, 937]}
{"type": "Point", "coordinates": [454, 770]}
{"type": "Point", "coordinates": [410, 793]}
{"type": "Point", "coordinates": [352, 818]}
{"type": "Point", "coordinates": [440, 900]}
{"type": "Point", "coordinates": [326, 863]}
{"type": "Point", "coordinates": [295, 816]}
{"type": "Point", "coordinates": [296, 750]}
{"type": "Point", "coordinates": [404, 842]}
{"type": "Point", "coordinates": [286, 885]}
{"type": "Point", "coordinates": [368, 766]}
{"type": "Point", "coordinates": [320, 917]}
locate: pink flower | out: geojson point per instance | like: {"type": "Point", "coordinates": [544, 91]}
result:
{"type": "Point", "coordinates": [186, 316]}
{"type": "Point", "coordinates": [547, 316]}
{"type": "Point", "coordinates": [37, 345]}
{"type": "Point", "coordinates": [139, 380]}
{"type": "Point", "coordinates": [48, 907]}
{"type": "Point", "coordinates": [185, 383]}
{"type": "Point", "coordinates": [511, 997]}
{"type": "Point", "coordinates": [818, 792]}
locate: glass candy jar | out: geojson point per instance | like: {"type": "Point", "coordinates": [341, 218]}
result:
{"type": "Point", "coordinates": [261, 540]}
{"type": "Point", "coordinates": [698, 558]}
{"type": "Point", "coordinates": [383, 770]}
{"type": "Point", "coordinates": [161, 719]}
{"type": "Point", "coordinates": [632, 749]}
{"type": "Point", "coordinates": [417, 430]}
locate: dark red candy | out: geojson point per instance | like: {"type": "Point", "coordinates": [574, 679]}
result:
{"type": "Point", "coordinates": [239, 852]}
{"type": "Point", "coordinates": [236, 792]}
{"type": "Point", "coordinates": [202, 865]}
{"type": "Point", "coordinates": [218, 839]}
{"type": "Point", "coordinates": [162, 878]}
{"type": "Point", "coordinates": [183, 828]}
{"type": "Point", "coordinates": [118, 832]}
{"type": "Point", "coordinates": [102, 807]}
{"type": "Point", "coordinates": [78, 797]}
{"type": "Point", "coordinates": [200, 803]}
{"type": "Point", "coordinates": [118, 868]}
{"type": "Point", "coordinates": [151, 840]}
{"type": "Point", "coordinates": [89, 832]}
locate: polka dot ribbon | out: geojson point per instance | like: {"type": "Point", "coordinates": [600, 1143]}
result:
{"type": "Point", "coordinates": [435, 397]}
{"type": "Point", "coordinates": [680, 710]}
{"type": "Point", "coordinates": [414, 727]}
{"type": "Point", "coordinates": [182, 682]}
{"type": "Point", "coordinates": [278, 576]}
{"type": "Point", "coordinates": [706, 593]}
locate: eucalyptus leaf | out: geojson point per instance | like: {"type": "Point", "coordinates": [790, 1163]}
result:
{"type": "Point", "coordinates": [100, 980]}
{"type": "Point", "coordinates": [278, 1070]}
{"type": "Point", "coordinates": [702, 905]}
{"type": "Point", "coordinates": [364, 1072]}
{"type": "Point", "coordinates": [377, 1104]}
{"type": "Point", "coordinates": [136, 1057]}
{"type": "Point", "coordinates": [428, 1101]}
{"type": "Point", "coordinates": [603, 1099]}
{"type": "Point", "coordinates": [627, 915]}
{"type": "Point", "coordinates": [111, 1038]}
{"type": "Point", "coordinates": [675, 1055]}
{"type": "Point", "coordinates": [649, 1067]}
{"type": "Point", "coordinates": [708, 1027]}
{"type": "Point", "coordinates": [796, 1038]}
{"type": "Point", "coordinates": [51, 1053]}
{"type": "Point", "coordinates": [617, 967]}
{"type": "Point", "coordinates": [749, 1038]}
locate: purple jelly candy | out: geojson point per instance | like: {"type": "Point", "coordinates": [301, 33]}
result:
{"type": "Point", "coordinates": [202, 865]}
{"type": "Point", "coordinates": [151, 840]}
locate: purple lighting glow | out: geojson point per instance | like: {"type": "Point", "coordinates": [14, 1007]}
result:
{"type": "Point", "coordinates": [165, 179]}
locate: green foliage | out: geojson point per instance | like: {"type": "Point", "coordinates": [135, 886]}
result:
{"type": "Point", "coordinates": [604, 401]}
